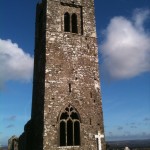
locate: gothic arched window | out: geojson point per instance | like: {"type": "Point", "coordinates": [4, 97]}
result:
{"type": "Point", "coordinates": [74, 23]}
{"type": "Point", "coordinates": [69, 127]}
{"type": "Point", "coordinates": [67, 22]}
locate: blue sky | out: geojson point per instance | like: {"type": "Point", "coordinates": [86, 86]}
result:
{"type": "Point", "coordinates": [123, 29]}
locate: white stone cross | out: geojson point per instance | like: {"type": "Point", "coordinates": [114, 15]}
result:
{"type": "Point", "coordinates": [99, 137]}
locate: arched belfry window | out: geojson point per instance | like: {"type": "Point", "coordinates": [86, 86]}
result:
{"type": "Point", "coordinates": [69, 127]}
{"type": "Point", "coordinates": [67, 22]}
{"type": "Point", "coordinates": [74, 23]}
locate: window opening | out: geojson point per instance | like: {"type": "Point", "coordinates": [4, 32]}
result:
{"type": "Point", "coordinates": [91, 94]}
{"type": "Point", "coordinates": [67, 109]}
{"type": "Point", "coordinates": [88, 46]}
{"type": "Point", "coordinates": [70, 87]}
{"type": "Point", "coordinates": [90, 121]}
{"type": "Point", "coordinates": [74, 115]}
{"type": "Point", "coordinates": [67, 22]}
{"type": "Point", "coordinates": [64, 115]}
{"type": "Point", "coordinates": [69, 133]}
{"type": "Point", "coordinates": [71, 109]}
{"type": "Point", "coordinates": [76, 133]}
{"type": "Point", "coordinates": [69, 127]}
{"type": "Point", "coordinates": [74, 23]}
{"type": "Point", "coordinates": [63, 133]}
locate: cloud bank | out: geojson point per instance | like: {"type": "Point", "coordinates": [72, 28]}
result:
{"type": "Point", "coordinates": [126, 48]}
{"type": "Point", "coordinates": [10, 126]}
{"type": "Point", "coordinates": [15, 64]}
{"type": "Point", "coordinates": [10, 118]}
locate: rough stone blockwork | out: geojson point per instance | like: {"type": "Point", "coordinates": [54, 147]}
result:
{"type": "Point", "coordinates": [66, 105]}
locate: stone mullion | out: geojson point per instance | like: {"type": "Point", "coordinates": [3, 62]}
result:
{"type": "Point", "coordinates": [73, 132]}
{"type": "Point", "coordinates": [66, 131]}
{"type": "Point", "coordinates": [71, 22]}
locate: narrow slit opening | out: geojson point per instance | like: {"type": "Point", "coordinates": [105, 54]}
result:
{"type": "Point", "coordinates": [70, 88]}
{"type": "Point", "coordinates": [88, 46]}
{"type": "Point", "coordinates": [91, 95]}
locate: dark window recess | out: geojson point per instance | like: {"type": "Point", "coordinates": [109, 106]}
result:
{"type": "Point", "coordinates": [67, 109]}
{"type": "Point", "coordinates": [69, 127]}
{"type": "Point", "coordinates": [64, 115]}
{"type": "Point", "coordinates": [91, 95]}
{"type": "Point", "coordinates": [69, 133]}
{"type": "Point", "coordinates": [74, 23]}
{"type": "Point", "coordinates": [74, 115]}
{"type": "Point", "coordinates": [71, 109]}
{"type": "Point", "coordinates": [88, 46]}
{"type": "Point", "coordinates": [70, 87]}
{"type": "Point", "coordinates": [76, 133]}
{"type": "Point", "coordinates": [63, 134]}
{"type": "Point", "coordinates": [67, 22]}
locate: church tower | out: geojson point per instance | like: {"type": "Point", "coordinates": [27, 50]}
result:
{"type": "Point", "coordinates": [66, 106]}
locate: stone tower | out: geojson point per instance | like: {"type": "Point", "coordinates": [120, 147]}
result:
{"type": "Point", "coordinates": [66, 105]}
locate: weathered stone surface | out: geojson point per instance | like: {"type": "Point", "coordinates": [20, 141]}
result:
{"type": "Point", "coordinates": [65, 73]}
{"type": "Point", "coordinates": [13, 143]}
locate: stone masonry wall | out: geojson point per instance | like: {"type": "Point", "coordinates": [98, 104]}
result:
{"type": "Point", "coordinates": [71, 59]}
{"type": "Point", "coordinates": [65, 60]}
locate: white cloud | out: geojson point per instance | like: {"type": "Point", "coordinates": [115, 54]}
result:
{"type": "Point", "coordinates": [126, 49]}
{"type": "Point", "coordinates": [15, 64]}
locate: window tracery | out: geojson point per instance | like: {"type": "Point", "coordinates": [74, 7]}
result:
{"type": "Point", "coordinates": [69, 127]}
